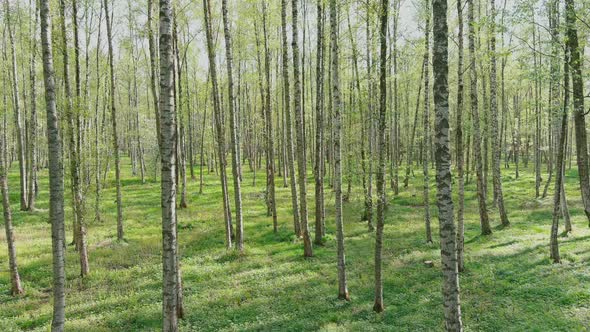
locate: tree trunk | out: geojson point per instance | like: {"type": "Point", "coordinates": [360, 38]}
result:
{"type": "Point", "coordinates": [233, 124]}
{"type": "Point", "coordinates": [56, 186]}
{"type": "Point", "coordinates": [319, 138]}
{"type": "Point", "coordinates": [288, 121]}
{"type": "Point", "coordinates": [300, 133]}
{"type": "Point", "coordinates": [16, 286]}
{"type": "Point", "coordinates": [427, 133]}
{"type": "Point", "coordinates": [496, 139]}
{"type": "Point", "coordinates": [459, 144]}
{"type": "Point", "coordinates": [269, 128]}
{"type": "Point", "coordinates": [33, 124]}
{"type": "Point", "coordinates": [381, 146]}
{"type": "Point", "coordinates": [109, 23]}
{"type": "Point", "coordinates": [18, 118]}
{"type": "Point", "coordinates": [575, 63]}
{"type": "Point", "coordinates": [452, 306]}
{"type": "Point", "coordinates": [168, 170]}
{"type": "Point", "coordinates": [218, 124]}
{"type": "Point", "coordinates": [336, 104]}
{"type": "Point", "coordinates": [481, 196]}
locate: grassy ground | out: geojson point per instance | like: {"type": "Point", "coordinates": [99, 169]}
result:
{"type": "Point", "coordinates": [510, 283]}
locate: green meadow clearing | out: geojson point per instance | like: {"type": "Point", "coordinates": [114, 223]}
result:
{"type": "Point", "coordinates": [509, 283]}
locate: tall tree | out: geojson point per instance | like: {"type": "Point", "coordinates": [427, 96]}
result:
{"type": "Point", "coordinates": [440, 67]}
{"type": "Point", "coordinates": [381, 145]}
{"type": "Point", "coordinates": [270, 162]}
{"type": "Point", "coordinates": [33, 125]}
{"type": "Point", "coordinates": [56, 186]}
{"type": "Point", "coordinates": [575, 64]}
{"type": "Point", "coordinates": [481, 196]}
{"type": "Point", "coordinates": [459, 142]}
{"type": "Point", "coordinates": [426, 140]}
{"type": "Point", "coordinates": [153, 59]}
{"type": "Point", "coordinates": [554, 244]}
{"type": "Point", "coordinates": [233, 124]}
{"type": "Point", "coordinates": [113, 91]}
{"type": "Point", "coordinates": [16, 286]}
{"type": "Point", "coordinates": [217, 117]}
{"type": "Point", "coordinates": [336, 105]}
{"type": "Point", "coordinates": [496, 139]}
{"type": "Point", "coordinates": [18, 117]}
{"type": "Point", "coordinates": [288, 121]}
{"type": "Point", "coordinates": [168, 134]}
{"type": "Point", "coordinates": [300, 133]}
{"type": "Point", "coordinates": [319, 138]}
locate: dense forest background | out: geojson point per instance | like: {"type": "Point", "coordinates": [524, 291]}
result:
{"type": "Point", "coordinates": [294, 165]}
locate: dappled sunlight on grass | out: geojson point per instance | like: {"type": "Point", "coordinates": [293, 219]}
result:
{"type": "Point", "coordinates": [509, 283]}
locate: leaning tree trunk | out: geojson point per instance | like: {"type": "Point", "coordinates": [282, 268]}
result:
{"type": "Point", "coordinates": [481, 196]}
{"type": "Point", "coordinates": [16, 287]}
{"type": "Point", "coordinates": [575, 63]}
{"type": "Point", "coordinates": [109, 23]}
{"type": "Point", "coordinates": [496, 139]}
{"type": "Point", "coordinates": [440, 65]}
{"type": "Point", "coordinates": [336, 106]}
{"type": "Point", "coordinates": [300, 133]}
{"type": "Point", "coordinates": [218, 124]}
{"type": "Point", "coordinates": [56, 186]}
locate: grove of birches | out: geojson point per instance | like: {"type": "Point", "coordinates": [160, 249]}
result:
{"type": "Point", "coordinates": [295, 165]}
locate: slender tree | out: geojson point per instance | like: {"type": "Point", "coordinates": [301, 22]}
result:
{"type": "Point", "coordinates": [56, 186]}
{"type": "Point", "coordinates": [481, 196]}
{"type": "Point", "coordinates": [16, 286]}
{"type": "Point", "coordinates": [319, 138]}
{"type": "Point", "coordinates": [233, 124]}
{"type": "Point", "coordinates": [381, 145]}
{"type": "Point", "coordinates": [496, 139]}
{"type": "Point", "coordinates": [18, 117]}
{"type": "Point", "coordinates": [300, 133]}
{"type": "Point", "coordinates": [336, 105]}
{"type": "Point", "coordinates": [459, 142]}
{"type": "Point", "coordinates": [217, 117]}
{"type": "Point", "coordinates": [426, 140]}
{"type": "Point", "coordinates": [288, 121]}
{"type": "Point", "coordinates": [270, 176]}
{"type": "Point", "coordinates": [113, 91]}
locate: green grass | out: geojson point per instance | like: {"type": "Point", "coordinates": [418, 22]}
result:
{"type": "Point", "coordinates": [509, 285]}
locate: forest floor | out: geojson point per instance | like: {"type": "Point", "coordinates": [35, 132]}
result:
{"type": "Point", "coordinates": [509, 284]}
